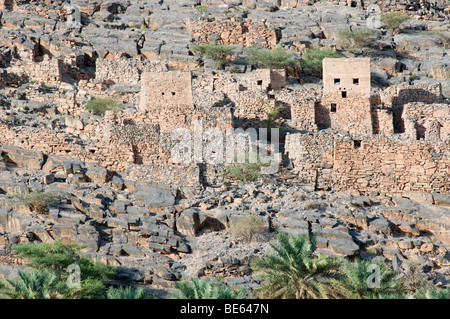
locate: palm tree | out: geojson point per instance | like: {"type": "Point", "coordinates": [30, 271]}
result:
{"type": "Point", "coordinates": [128, 293]}
{"type": "Point", "coordinates": [204, 289]}
{"type": "Point", "coordinates": [363, 279]}
{"type": "Point", "coordinates": [433, 293]}
{"type": "Point", "coordinates": [292, 271]}
{"type": "Point", "coordinates": [36, 284]}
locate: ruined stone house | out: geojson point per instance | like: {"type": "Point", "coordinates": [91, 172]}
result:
{"type": "Point", "coordinates": [394, 141]}
{"type": "Point", "coordinates": [346, 95]}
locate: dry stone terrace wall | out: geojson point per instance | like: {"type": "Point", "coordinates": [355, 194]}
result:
{"type": "Point", "coordinates": [231, 32]}
{"type": "Point", "coordinates": [379, 164]}
{"type": "Point", "coordinates": [125, 71]}
{"type": "Point", "coordinates": [392, 167]}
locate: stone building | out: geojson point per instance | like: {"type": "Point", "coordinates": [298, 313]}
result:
{"type": "Point", "coordinates": [345, 101]}
{"type": "Point", "coordinates": [182, 94]}
{"type": "Point", "coordinates": [397, 140]}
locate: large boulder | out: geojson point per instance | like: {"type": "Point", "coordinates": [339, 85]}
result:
{"type": "Point", "coordinates": [381, 225]}
{"type": "Point", "coordinates": [23, 157]}
{"type": "Point", "coordinates": [67, 233]}
{"type": "Point", "coordinates": [190, 221]}
{"type": "Point", "coordinates": [10, 185]}
{"type": "Point", "coordinates": [89, 236]}
{"type": "Point", "coordinates": [13, 222]}
{"type": "Point", "coordinates": [441, 199]}
{"type": "Point", "coordinates": [419, 197]}
{"type": "Point", "coordinates": [98, 174]}
{"type": "Point", "coordinates": [155, 198]}
{"type": "Point", "coordinates": [343, 246]}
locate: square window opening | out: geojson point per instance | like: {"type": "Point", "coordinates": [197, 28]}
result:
{"type": "Point", "coordinates": [259, 82]}
{"type": "Point", "coordinates": [356, 81]}
{"type": "Point", "coordinates": [337, 81]}
{"type": "Point", "coordinates": [356, 144]}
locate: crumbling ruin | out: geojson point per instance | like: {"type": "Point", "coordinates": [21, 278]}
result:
{"type": "Point", "coordinates": [365, 148]}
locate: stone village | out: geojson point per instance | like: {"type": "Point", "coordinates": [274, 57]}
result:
{"type": "Point", "coordinates": [133, 206]}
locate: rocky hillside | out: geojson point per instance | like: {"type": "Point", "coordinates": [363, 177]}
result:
{"type": "Point", "coordinates": [58, 55]}
{"type": "Point", "coordinates": [158, 236]}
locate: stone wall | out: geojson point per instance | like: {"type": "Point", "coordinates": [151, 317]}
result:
{"type": "Point", "coordinates": [350, 114]}
{"type": "Point", "coordinates": [345, 103]}
{"type": "Point", "coordinates": [372, 164]}
{"type": "Point", "coordinates": [125, 71]}
{"type": "Point", "coordinates": [312, 157]}
{"type": "Point", "coordinates": [395, 97]}
{"type": "Point", "coordinates": [351, 75]}
{"type": "Point", "coordinates": [299, 108]}
{"type": "Point", "coordinates": [166, 89]}
{"type": "Point", "coordinates": [391, 167]}
{"type": "Point", "coordinates": [230, 31]}
{"type": "Point", "coordinates": [382, 121]}
{"type": "Point", "coordinates": [213, 97]}
{"type": "Point", "coordinates": [49, 70]}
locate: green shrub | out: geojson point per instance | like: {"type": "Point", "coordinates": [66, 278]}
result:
{"type": "Point", "coordinates": [204, 289]}
{"type": "Point", "coordinates": [219, 53]}
{"type": "Point", "coordinates": [98, 106]}
{"type": "Point", "coordinates": [57, 257]}
{"type": "Point", "coordinates": [39, 201]}
{"type": "Point", "coordinates": [433, 293]}
{"type": "Point", "coordinates": [358, 281]}
{"type": "Point", "coordinates": [35, 284]}
{"type": "Point", "coordinates": [277, 58]}
{"type": "Point", "coordinates": [312, 60]}
{"type": "Point", "coordinates": [200, 8]}
{"type": "Point", "coordinates": [271, 115]}
{"type": "Point", "coordinates": [393, 20]}
{"type": "Point", "coordinates": [246, 171]}
{"type": "Point", "coordinates": [351, 40]}
{"type": "Point", "coordinates": [248, 228]}
{"type": "Point", "coordinates": [95, 270]}
{"type": "Point", "coordinates": [128, 293]}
